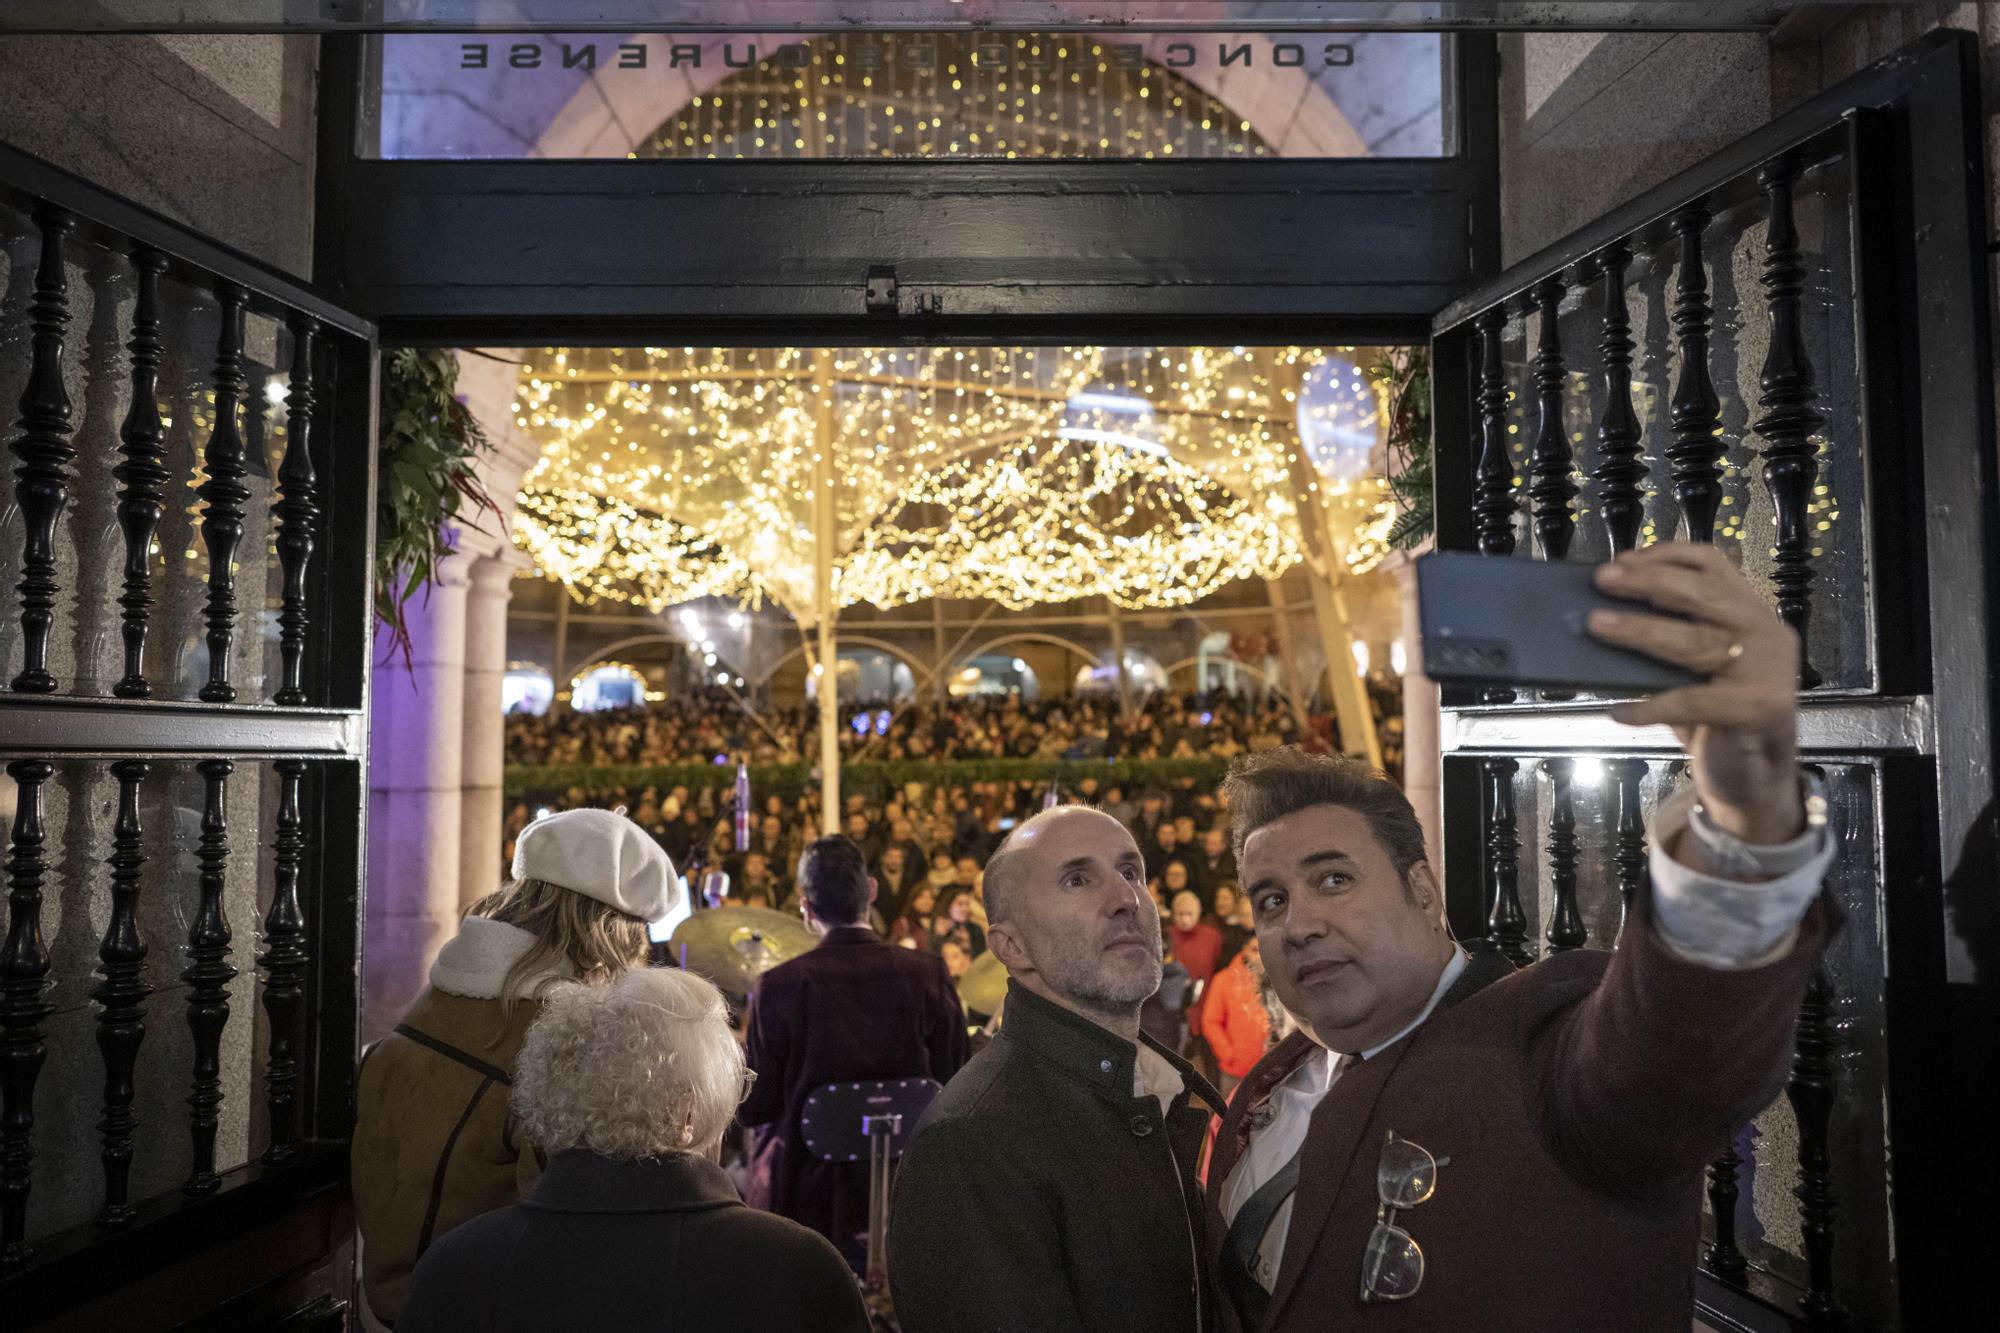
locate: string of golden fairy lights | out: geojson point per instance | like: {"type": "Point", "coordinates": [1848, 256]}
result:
{"type": "Point", "coordinates": [1022, 95]}
{"type": "Point", "coordinates": [1151, 476]}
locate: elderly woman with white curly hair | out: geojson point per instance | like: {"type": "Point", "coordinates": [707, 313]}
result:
{"type": "Point", "coordinates": [633, 1225]}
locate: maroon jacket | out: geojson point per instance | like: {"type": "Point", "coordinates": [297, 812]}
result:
{"type": "Point", "coordinates": [853, 1008]}
{"type": "Point", "coordinates": [1578, 1100]}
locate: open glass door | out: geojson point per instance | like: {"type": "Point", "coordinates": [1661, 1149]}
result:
{"type": "Point", "coordinates": [1782, 351]}
{"type": "Point", "coordinates": [186, 541]}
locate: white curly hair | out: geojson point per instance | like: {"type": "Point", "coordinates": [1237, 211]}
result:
{"type": "Point", "coordinates": [628, 1069]}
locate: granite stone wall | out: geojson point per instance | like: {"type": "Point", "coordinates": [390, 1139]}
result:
{"type": "Point", "coordinates": [215, 132]}
{"type": "Point", "coordinates": [1588, 120]}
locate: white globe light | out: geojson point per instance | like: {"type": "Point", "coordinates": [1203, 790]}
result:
{"type": "Point", "coordinates": [1339, 422]}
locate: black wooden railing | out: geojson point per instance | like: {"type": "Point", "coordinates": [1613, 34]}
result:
{"type": "Point", "coordinates": [1751, 419]}
{"type": "Point", "coordinates": [160, 727]}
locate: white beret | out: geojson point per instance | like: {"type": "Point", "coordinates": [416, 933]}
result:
{"type": "Point", "coordinates": [603, 855]}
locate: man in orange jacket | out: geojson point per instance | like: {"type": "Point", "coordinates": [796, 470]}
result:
{"type": "Point", "coordinates": [1233, 1017]}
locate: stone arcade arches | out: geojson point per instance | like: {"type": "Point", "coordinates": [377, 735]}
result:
{"type": "Point", "coordinates": [533, 96]}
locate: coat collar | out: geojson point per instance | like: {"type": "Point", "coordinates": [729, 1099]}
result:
{"type": "Point", "coordinates": [475, 962]}
{"type": "Point", "coordinates": [845, 935]}
{"type": "Point", "coordinates": [577, 1180]}
{"type": "Point", "coordinates": [1484, 965]}
{"type": "Point", "coordinates": [1094, 1056]}
{"type": "Point", "coordinates": [1249, 1108]}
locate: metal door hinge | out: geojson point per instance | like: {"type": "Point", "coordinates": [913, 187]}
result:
{"type": "Point", "coordinates": [881, 290]}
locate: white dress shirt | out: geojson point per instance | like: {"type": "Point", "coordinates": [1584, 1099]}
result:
{"type": "Point", "coordinates": [1720, 923]}
{"type": "Point", "coordinates": [1153, 1076]}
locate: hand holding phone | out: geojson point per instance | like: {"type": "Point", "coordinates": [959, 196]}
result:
{"type": "Point", "coordinates": [1501, 621]}
{"type": "Point", "coordinates": [1739, 725]}
{"type": "Point", "coordinates": [1678, 618]}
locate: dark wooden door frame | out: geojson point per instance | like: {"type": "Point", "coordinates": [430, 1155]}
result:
{"type": "Point", "coordinates": [748, 253]}
{"type": "Point", "coordinates": [1912, 126]}
{"type": "Point", "coordinates": [258, 1230]}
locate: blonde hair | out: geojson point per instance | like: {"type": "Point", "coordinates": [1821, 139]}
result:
{"type": "Point", "coordinates": [598, 941]}
{"type": "Point", "coordinates": [641, 1067]}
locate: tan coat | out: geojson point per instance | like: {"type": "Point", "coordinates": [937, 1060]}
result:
{"type": "Point", "coordinates": [435, 1143]}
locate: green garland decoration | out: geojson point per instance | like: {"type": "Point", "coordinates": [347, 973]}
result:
{"type": "Point", "coordinates": [425, 478]}
{"type": "Point", "coordinates": [782, 779]}
{"type": "Point", "coordinates": [1407, 373]}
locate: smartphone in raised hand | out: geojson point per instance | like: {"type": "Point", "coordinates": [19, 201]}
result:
{"type": "Point", "coordinates": [1497, 620]}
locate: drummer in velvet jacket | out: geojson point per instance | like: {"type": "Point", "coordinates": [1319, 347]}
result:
{"type": "Point", "coordinates": [853, 1008]}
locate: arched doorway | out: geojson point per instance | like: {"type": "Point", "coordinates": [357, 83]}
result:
{"type": "Point", "coordinates": [1363, 95]}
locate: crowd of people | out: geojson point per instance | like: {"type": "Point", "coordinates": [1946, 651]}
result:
{"type": "Point", "coordinates": [936, 825]}
{"type": "Point", "coordinates": [538, 1144]}
{"type": "Point", "coordinates": [927, 845]}
{"type": "Point", "coordinates": [697, 730]}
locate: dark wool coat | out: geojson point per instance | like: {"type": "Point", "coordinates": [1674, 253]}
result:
{"type": "Point", "coordinates": [1578, 1100]}
{"type": "Point", "coordinates": [1041, 1196]}
{"type": "Point", "coordinates": [662, 1244]}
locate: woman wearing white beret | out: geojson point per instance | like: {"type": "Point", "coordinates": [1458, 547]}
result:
{"type": "Point", "coordinates": [434, 1143]}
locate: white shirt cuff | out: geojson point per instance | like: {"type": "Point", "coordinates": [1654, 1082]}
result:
{"type": "Point", "coordinates": [1728, 924]}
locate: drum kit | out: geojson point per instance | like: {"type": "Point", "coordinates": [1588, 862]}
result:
{"type": "Point", "coordinates": [733, 946]}
{"type": "Point", "coordinates": [984, 985]}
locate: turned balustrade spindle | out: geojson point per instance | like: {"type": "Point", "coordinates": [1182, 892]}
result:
{"type": "Point", "coordinates": [1621, 495]}
{"type": "Point", "coordinates": [141, 472]}
{"type": "Point", "coordinates": [121, 994]}
{"type": "Point", "coordinates": [45, 450]}
{"type": "Point", "coordinates": [1695, 417]}
{"type": "Point", "coordinates": [284, 963]}
{"type": "Point", "coordinates": [1566, 929]}
{"type": "Point", "coordinates": [224, 495]}
{"type": "Point", "coordinates": [1790, 416]}
{"type": "Point", "coordinates": [1506, 924]}
{"type": "Point", "coordinates": [298, 512]}
{"type": "Point", "coordinates": [24, 971]}
{"type": "Point", "coordinates": [208, 974]}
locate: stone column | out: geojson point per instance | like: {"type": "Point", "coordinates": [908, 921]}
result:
{"type": "Point", "coordinates": [435, 734]}
{"type": "Point", "coordinates": [1423, 766]}
{"type": "Point", "coordinates": [416, 744]}
{"type": "Point", "coordinates": [1117, 625]}
{"type": "Point", "coordinates": [484, 754]}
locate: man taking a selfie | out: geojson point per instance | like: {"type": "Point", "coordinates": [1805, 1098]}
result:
{"type": "Point", "coordinates": [1447, 1144]}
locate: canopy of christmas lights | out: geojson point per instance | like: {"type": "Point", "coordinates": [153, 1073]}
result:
{"type": "Point", "coordinates": [1150, 476]}
{"type": "Point", "coordinates": [963, 94]}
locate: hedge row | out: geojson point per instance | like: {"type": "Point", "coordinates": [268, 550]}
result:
{"type": "Point", "coordinates": [782, 779]}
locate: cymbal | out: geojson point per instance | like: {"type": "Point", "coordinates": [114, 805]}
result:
{"type": "Point", "coordinates": [984, 984]}
{"type": "Point", "coordinates": [733, 946]}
